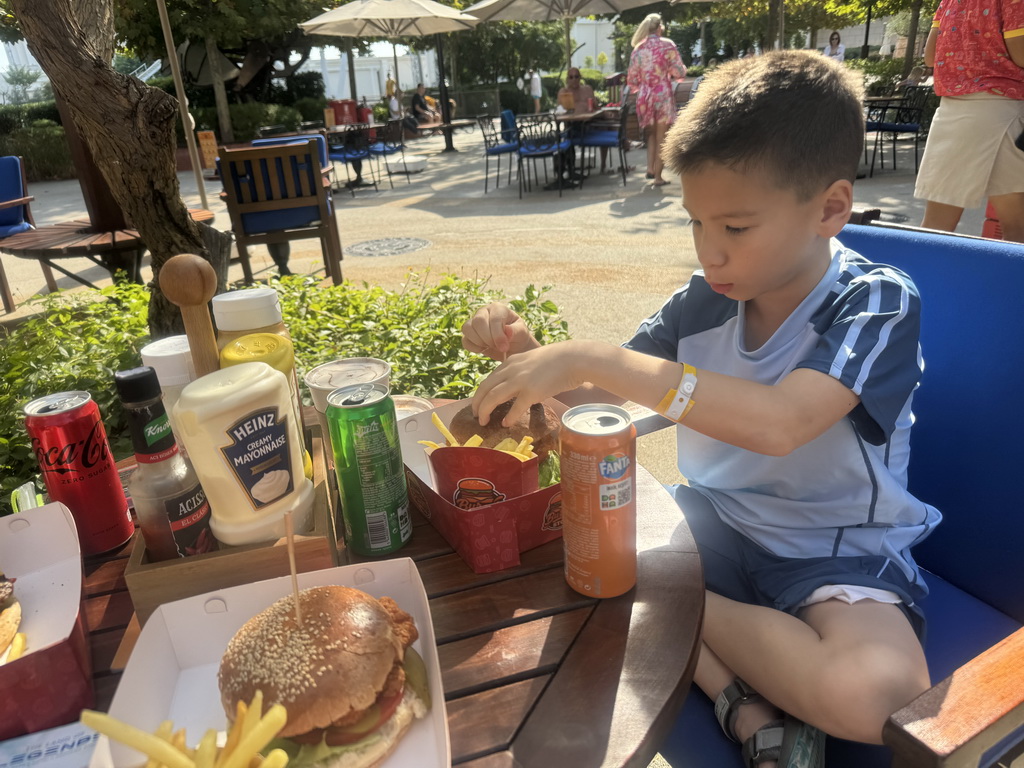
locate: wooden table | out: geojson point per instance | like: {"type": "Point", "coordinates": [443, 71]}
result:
{"type": "Point", "coordinates": [534, 674]}
{"type": "Point", "coordinates": [120, 249]}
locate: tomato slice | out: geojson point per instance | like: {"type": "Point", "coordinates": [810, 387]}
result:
{"type": "Point", "coordinates": [338, 736]}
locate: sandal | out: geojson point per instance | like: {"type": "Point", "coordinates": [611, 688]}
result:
{"type": "Point", "coordinates": [790, 742]}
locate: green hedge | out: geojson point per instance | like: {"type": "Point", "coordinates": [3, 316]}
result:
{"type": "Point", "coordinates": [43, 147]}
{"type": "Point", "coordinates": [15, 116]}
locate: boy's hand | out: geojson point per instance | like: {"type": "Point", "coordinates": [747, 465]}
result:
{"type": "Point", "coordinates": [533, 377]}
{"type": "Point", "coordinates": [498, 332]}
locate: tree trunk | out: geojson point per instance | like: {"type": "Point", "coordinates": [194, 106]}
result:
{"type": "Point", "coordinates": [915, 20]}
{"type": "Point", "coordinates": [128, 127]}
{"type": "Point", "coordinates": [220, 94]}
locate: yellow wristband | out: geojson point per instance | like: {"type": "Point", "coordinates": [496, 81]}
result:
{"type": "Point", "coordinates": [678, 402]}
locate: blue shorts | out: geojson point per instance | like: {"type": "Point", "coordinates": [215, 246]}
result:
{"type": "Point", "coordinates": [740, 569]}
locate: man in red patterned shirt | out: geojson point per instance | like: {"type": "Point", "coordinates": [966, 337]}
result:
{"type": "Point", "coordinates": [975, 147]}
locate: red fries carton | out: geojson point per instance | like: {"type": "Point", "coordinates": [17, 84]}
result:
{"type": "Point", "coordinates": [52, 682]}
{"type": "Point", "coordinates": [484, 502]}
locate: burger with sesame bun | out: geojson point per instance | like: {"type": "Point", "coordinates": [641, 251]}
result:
{"type": "Point", "coordinates": [347, 675]}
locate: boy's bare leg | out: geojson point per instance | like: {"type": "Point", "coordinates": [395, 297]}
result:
{"type": "Point", "coordinates": [842, 668]}
{"type": "Point", "coordinates": [941, 216]}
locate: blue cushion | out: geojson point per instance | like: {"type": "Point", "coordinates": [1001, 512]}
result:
{"type": "Point", "coordinates": [342, 155]}
{"type": "Point", "coordinates": [959, 628]}
{"type": "Point", "coordinates": [6, 230]}
{"type": "Point", "coordinates": [899, 127]}
{"type": "Point", "coordinates": [508, 125]}
{"type": "Point", "coordinates": [501, 149]}
{"type": "Point", "coordinates": [11, 189]}
{"type": "Point", "coordinates": [271, 221]}
{"type": "Point", "coordinates": [601, 139]}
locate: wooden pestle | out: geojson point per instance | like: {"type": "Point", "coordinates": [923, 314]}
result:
{"type": "Point", "coordinates": [189, 282]}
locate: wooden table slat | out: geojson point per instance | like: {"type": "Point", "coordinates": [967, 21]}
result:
{"type": "Point", "coordinates": [104, 612]}
{"type": "Point", "coordinates": [487, 722]}
{"type": "Point", "coordinates": [443, 575]}
{"type": "Point", "coordinates": [105, 577]}
{"type": "Point", "coordinates": [493, 760]}
{"type": "Point", "coordinates": [485, 609]}
{"type": "Point", "coordinates": [475, 663]}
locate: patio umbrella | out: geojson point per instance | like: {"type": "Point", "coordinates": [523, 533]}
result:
{"type": "Point", "coordinates": [549, 10]}
{"type": "Point", "coordinates": [397, 18]}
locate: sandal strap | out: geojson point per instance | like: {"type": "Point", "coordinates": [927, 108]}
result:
{"type": "Point", "coordinates": [765, 744]}
{"type": "Point", "coordinates": [732, 697]}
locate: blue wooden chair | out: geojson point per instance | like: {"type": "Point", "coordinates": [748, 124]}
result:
{"type": "Point", "coordinates": [540, 140]}
{"type": "Point", "coordinates": [905, 114]}
{"type": "Point", "coordinates": [498, 143]}
{"type": "Point", "coordinates": [600, 136]}
{"type": "Point", "coordinates": [390, 142]}
{"type": "Point", "coordinates": [15, 217]}
{"type": "Point", "coordinates": [351, 148]}
{"type": "Point", "coordinates": [966, 459]}
{"type": "Point", "coordinates": [276, 193]}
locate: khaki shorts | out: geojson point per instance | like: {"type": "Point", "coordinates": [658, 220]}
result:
{"type": "Point", "coordinates": [970, 155]}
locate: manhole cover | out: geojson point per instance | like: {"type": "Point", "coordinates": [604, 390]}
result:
{"type": "Point", "coordinates": [388, 246]}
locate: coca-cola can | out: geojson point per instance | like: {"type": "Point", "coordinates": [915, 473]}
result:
{"type": "Point", "coordinates": [71, 445]}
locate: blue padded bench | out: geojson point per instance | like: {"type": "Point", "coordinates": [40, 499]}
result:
{"type": "Point", "coordinates": [967, 458]}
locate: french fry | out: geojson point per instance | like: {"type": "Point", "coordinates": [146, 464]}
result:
{"type": "Point", "coordinates": [473, 442]}
{"type": "Point", "coordinates": [163, 731]}
{"type": "Point", "coordinates": [524, 445]}
{"type": "Point", "coordinates": [429, 443]}
{"type": "Point", "coordinates": [277, 758]}
{"type": "Point", "coordinates": [17, 647]}
{"type": "Point", "coordinates": [234, 735]}
{"type": "Point", "coordinates": [436, 420]}
{"type": "Point", "coordinates": [508, 445]}
{"type": "Point", "coordinates": [265, 730]}
{"type": "Point", "coordinates": [253, 716]}
{"type": "Point", "coordinates": [517, 455]}
{"type": "Point", "coordinates": [206, 752]}
{"type": "Point", "coordinates": [178, 742]}
{"type": "Point", "coordinates": [147, 743]}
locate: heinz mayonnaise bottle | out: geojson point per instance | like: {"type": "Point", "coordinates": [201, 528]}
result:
{"type": "Point", "coordinates": [238, 425]}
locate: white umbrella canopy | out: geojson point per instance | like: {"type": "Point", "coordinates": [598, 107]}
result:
{"type": "Point", "coordinates": [550, 10]}
{"type": "Point", "coordinates": [389, 18]}
{"type": "Point", "coordinates": [396, 18]}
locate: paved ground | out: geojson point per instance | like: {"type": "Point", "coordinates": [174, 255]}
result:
{"type": "Point", "coordinates": [612, 253]}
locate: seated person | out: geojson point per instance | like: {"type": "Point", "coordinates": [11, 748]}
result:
{"type": "Point", "coordinates": [420, 109]}
{"type": "Point", "coordinates": [395, 104]}
{"type": "Point", "coordinates": [577, 89]}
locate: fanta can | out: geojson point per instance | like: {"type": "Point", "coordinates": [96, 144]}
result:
{"type": "Point", "coordinates": [598, 458]}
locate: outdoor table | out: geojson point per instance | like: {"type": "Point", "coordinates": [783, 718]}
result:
{"type": "Point", "coordinates": [534, 674]}
{"type": "Point", "coordinates": [120, 249]}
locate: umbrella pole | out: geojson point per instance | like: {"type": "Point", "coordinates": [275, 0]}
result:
{"type": "Point", "coordinates": [394, 56]}
{"type": "Point", "coordinates": [568, 42]}
{"type": "Point", "coordinates": [446, 108]}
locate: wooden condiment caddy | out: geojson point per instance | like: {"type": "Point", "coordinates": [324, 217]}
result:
{"type": "Point", "coordinates": [190, 282]}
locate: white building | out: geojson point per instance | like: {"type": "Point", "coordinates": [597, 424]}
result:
{"type": "Point", "coordinates": [595, 37]}
{"type": "Point", "coordinates": [17, 55]}
{"type": "Point", "coordinates": [372, 71]}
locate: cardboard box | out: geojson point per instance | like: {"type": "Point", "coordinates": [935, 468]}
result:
{"type": "Point", "coordinates": [153, 584]}
{"type": "Point", "coordinates": [52, 682]}
{"type": "Point", "coordinates": [488, 538]}
{"type": "Point", "coordinates": [172, 672]}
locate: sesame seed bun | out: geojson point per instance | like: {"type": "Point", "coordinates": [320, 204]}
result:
{"type": "Point", "coordinates": [10, 620]}
{"type": "Point", "coordinates": [540, 423]}
{"type": "Point", "coordinates": [334, 664]}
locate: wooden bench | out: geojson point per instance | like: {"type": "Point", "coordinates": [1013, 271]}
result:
{"type": "Point", "coordinates": [114, 250]}
{"type": "Point", "coordinates": [426, 129]}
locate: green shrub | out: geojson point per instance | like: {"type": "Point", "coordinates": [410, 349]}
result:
{"type": "Point", "coordinates": [311, 108]}
{"type": "Point", "coordinates": [381, 113]}
{"type": "Point", "coordinates": [303, 85]}
{"type": "Point", "coordinates": [512, 98]}
{"type": "Point", "coordinates": [80, 340]}
{"type": "Point", "coordinates": [246, 119]}
{"type": "Point", "coordinates": [11, 118]}
{"type": "Point", "coordinates": [43, 147]}
{"type": "Point", "coordinates": [43, 110]}
{"type": "Point", "coordinates": [880, 76]}
{"type": "Point", "coordinates": [15, 116]}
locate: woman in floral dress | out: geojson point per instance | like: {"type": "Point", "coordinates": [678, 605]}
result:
{"type": "Point", "coordinates": [654, 68]}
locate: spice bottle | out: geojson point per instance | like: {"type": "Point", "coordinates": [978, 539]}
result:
{"type": "Point", "coordinates": [169, 501]}
{"type": "Point", "coordinates": [240, 431]}
{"type": "Point", "coordinates": [172, 360]}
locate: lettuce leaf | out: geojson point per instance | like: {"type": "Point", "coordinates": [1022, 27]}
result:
{"type": "Point", "coordinates": [550, 470]}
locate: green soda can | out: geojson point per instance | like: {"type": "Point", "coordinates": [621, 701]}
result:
{"type": "Point", "coordinates": [368, 462]}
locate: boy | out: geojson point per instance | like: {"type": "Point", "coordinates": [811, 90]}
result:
{"type": "Point", "coordinates": [799, 360]}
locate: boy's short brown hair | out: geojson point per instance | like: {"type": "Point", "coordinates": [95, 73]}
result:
{"type": "Point", "coordinates": [795, 115]}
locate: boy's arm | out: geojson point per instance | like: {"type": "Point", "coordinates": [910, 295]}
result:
{"type": "Point", "coordinates": [772, 420]}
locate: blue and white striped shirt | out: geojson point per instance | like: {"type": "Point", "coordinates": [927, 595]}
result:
{"type": "Point", "coordinates": [844, 493]}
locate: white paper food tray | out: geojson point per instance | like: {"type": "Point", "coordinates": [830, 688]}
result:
{"type": "Point", "coordinates": [172, 672]}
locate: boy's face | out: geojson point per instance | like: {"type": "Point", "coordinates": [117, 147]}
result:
{"type": "Point", "coordinates": [755, 241]}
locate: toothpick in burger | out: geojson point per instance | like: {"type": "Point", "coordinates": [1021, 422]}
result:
{"type": "Point", "coordinates": [347, 675]}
